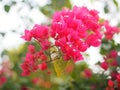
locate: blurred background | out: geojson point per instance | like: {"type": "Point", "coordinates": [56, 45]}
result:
{"type": "Point", "coordinates": [18, 15]}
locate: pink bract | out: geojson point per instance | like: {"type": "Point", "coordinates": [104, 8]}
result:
{"type": "Point", "coordinates": [42, 66]}
{"type": "Point", "coordinates": [77, 29]}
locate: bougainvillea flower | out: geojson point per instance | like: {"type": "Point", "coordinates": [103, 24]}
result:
{"type": "Point", "coordinates": [73, 32]}
{"type": "Point", "coordinates": [104, 65]}
{"type": "Point", "coordinates": [77, 29]}
{"type": "Point", "coordinates": [88, 73]}
{"type": "Point", "coordinates": [3, 80]}
{"type": "Point", "coordinates": [27, 35]}
{"type": "Point", "coordinates": [118, 78]}
{"type": "Point", "coordinates": [110, 83]}
{"type": "Point", "coordinates": [42, 66]}
{"type": "Point", "coordinates": [31, 49]}
{"type": "Point", "coordinates": [113, 54]}
{"type": "Point", "coordinates": [110, 30]}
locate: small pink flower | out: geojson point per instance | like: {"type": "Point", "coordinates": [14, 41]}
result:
{"type": "Point", "coordinates": [110, 30]}
{"type": "Point", "coordinates": [113, 54]}
{"type": "Point", "coordinates": [118, 81]}
{"type": "Point", "coordinates": [29, 58]}
{"type": "Point", "coordinates": [43, 57]}
{"type": "Point", "coordinates": [25, 73]}
{"type": "Point", "coordinates": [35, 81]}
{"type": "Point", "coordinates": [3, 80]}
{"type": "Point", "coordinates": [31, 49]}
{"type": "Point", "coordinates": [88, 73]}
{"type": "Point", "coordinates": [42, 66]}
{"type": "Point", "coordinates": [83, 47]}
{"type": "Point", "coordinates": [110, 83]}
{"type": "Point", "coordinates": [104, 65]}
{"type": "Point", "coordinates": [114, 75]}
{"type": "Point", "coordinates": [25, 68]}
{"type": "Point", "coordinates": [93, 40]}
{"type": "Point", "coordinates": [40, 32]}
{"type": "Point", "coordinates": [118, 78]}
{"type": "Point", "coordinates": [27, 35]}
{"type": "Point", "coordinates": [45, 44]}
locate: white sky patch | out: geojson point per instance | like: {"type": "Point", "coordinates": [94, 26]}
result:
{"type": "Point", "coordinates": [94, 55]}
{"type": "Point", "coordinates": [37, 16]}
{"type": "Point", "coordinates": [12, 40]}
{"type": "Point", "coordinates": [42, 2]}
{"type": "Point", "coordinates": [8, 21]}
{"type": "Point", "coordinates": [117, 38]}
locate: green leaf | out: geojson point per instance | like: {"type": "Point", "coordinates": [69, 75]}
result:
{"type": "Point", "coordinates": [61, 67]}
{"type": "Point", "coordinates": [7, 8]}
{"type": "Point", "coordinates": [55, 5]}
{"type": "Point", "coordinates": [47, 10]}
{"type": "Point", "coordinates": [59, 4]}
{"type": "Point", "coordinates": [106, 10]}
{"type": "Point", "coordinates": [4, 52]}
{"type": "Point", "coordinates": [116, 3]}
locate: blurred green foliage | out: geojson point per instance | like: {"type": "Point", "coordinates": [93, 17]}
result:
{"type": "Point", "coordinates": [73, 80]}
{"type": "Point", "coordinates": [55, 5]}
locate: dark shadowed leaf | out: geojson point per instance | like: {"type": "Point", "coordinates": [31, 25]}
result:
{"type": "Point", "coordinates": [106, 10]}
{"type": "Point", "coordinates": [3, 34]}
{"type": "Point", "coordinates": [4, 52]}
{"type": "Point", "coordinates": [7, 8]}
{"type": "Point", "coordinates": [13, 2]}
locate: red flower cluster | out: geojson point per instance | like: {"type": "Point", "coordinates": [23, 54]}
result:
{"type": "Point", "coordinates": [31, 62]}
{"type": "Point", "coordinates": [110, 60]}
{"type": "Point", "coordinates": [41, 82]}
{"type": "Point", "coordinates": [76, 30]}
{"type": "Point", "coordinates": [73, 31]}
{"type": "Point", "coordinates": [118, 81]}
{"type": "Point", "coordinates": [110, 30]}
{"type": "Point", "coordinates": [87, 73]}
{"type": "Point", "coordinates": [112, 85]}
{"type": "Point", "coordinates": [4, 72]}
{"type": "Point", "coordinates": [3, 80]}
{"type": "Point", "coordinates": [39, 33]}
